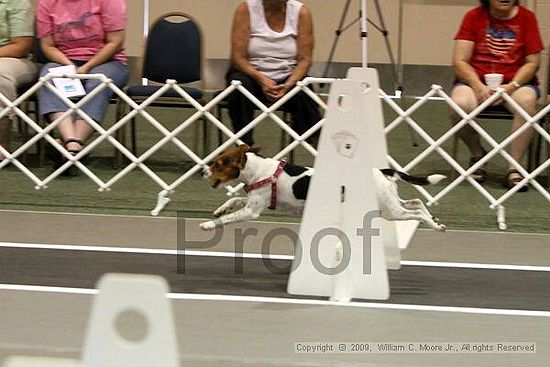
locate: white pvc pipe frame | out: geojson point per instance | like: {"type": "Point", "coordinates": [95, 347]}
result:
{"type": "Point", "coordinates": [436, 91]}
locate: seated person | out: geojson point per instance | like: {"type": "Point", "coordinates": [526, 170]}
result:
{"type": "Point", "coordinates": [16, 40]}
{"type": "Point", "coordinates": [500, 36]}
{"type": "Point", "coordinates": [90, 35]}
{"type": "Point", "coordinates": [271, 50]}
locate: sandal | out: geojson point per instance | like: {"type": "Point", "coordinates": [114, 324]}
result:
{"type": "Point", "coordinates": [480, 174]}
{"type": "Point", "coordinates": [515, 180]}
{"type": "Point", "coordinates": [59, 159]}
{"type": "Point", "coordinates": [74, 151]}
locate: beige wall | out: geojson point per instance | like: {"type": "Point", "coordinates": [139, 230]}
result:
{"type": "Point", "coordinates": [543, 15]}
{"type": "Point", "coordinates": [429, 26]}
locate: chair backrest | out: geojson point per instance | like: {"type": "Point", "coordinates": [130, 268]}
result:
{"type": "Point", "coordinates": [174, 49]}
{"type": "Point", "coordinates": [38, 55]}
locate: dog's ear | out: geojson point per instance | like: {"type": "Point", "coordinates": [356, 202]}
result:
{"type": "Point", "coordinates": [255, 150]}
{"type": "Point", "coordinates": [242, 161]}
{"type": "Point", "coordinates": [241, 157]}
{"type": "Point", "coordinates": [243, 148]}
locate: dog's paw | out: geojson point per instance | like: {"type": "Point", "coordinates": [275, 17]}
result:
{"type": "Point", "coordinates": [442, 227]}
{"type": "Point", "coordinates": [220, 211]}
{"type": "Point", "coordinates": [208, 226]}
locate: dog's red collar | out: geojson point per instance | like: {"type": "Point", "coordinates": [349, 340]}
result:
{"type": "Point", "coordinates": [266, 181]}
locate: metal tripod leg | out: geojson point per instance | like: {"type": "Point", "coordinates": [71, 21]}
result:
{"type": "Point", "coordinates": [384, 32]}
{"type": "Point", "coordinates": [397, 82]}
{"type": "Point", "coordinates": [338, 32]}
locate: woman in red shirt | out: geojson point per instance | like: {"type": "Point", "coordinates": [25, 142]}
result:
{"type": "Point", "coordinates": [500, 36]}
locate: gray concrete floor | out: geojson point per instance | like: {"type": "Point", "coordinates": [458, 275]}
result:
{"type": "Point", "coordinates": [262, 333]}
{"type": "Point", "coordinates": [162, 233]}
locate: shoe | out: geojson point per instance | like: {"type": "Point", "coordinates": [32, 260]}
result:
{"type": "Point", "coordinates": [480, 174]}
{"type": "Point", "coordinates": [59, 159]}
{"type": "Point", "coordinates": [515, 180]}
{"type": "Point", "coordinates": [78, 141]}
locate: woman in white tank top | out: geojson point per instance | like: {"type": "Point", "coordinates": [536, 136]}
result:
{"type": "Point", "coordinates": [271, 50]}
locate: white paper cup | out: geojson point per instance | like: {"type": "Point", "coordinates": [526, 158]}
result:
{"type": "Point", "coordinates": [493, 80]}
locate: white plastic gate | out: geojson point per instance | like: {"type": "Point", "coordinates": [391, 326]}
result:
{"type": "Point", "coordinates": [404, 116]}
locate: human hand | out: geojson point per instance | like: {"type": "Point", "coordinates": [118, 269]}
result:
{"type": "Point", "coordinates": [84, 69]}
{"type": "Point", "coordinates": [276, 92]}
{"type": "Point", "coordinates": [279, 90]}
{"type": "Point", "coordinates": [509, 89]}
{"type": "Point", "coordinates": [269, 89]}
{"type": "Point", "coordinates": [482, 92]}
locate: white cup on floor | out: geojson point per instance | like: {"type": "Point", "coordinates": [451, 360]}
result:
{"type": "Point", "coordinates": [493, 80]}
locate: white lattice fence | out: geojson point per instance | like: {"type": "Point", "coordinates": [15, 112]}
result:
{"type": "Point", "coordinates": [203, 112]}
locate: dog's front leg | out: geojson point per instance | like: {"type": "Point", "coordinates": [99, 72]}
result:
{"type": "Point", "coordinates": [230, 205]}
{"type": "Point", "coordinates": [252, 210]}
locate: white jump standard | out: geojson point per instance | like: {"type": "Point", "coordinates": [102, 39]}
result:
{"type": "Point", "coordinates": [343, 205]}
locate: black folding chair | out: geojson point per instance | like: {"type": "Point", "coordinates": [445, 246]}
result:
{"type": "Point", "coordinates": [30, 105]}
{"type": "Point", "coordinates": [174, 50]}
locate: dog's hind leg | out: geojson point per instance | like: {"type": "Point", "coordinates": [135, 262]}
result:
{"type": "Point", "coordinates": [231, 205]}
{"type": "Point", "coordinates": [413, 214]}
{"type": "Point", "coordinates": [418, 204]}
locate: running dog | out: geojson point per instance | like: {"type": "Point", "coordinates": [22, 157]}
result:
{"type": "Point", "coordinates": [278, 185]}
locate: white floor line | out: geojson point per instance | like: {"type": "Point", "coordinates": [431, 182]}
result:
{"type": "Point", "coordinates": [7, 211]}
{"type": "Point", "coordinates": [442, 264]}
{"type": "Point", "coordinates": [133, 250]}
{"type": "Point", "coordinates": [293, 301]}
{"type": "Point", "coordinates": [46, 289]}
{"type": "Point", "coordinates": [255, 222]}
{"type": "Point", "coordinates": [136, 250]}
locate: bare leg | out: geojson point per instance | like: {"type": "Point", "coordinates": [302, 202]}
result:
{"type": "Point", "coordinates": [82, 131]}
{"type": "Point", "coordinates": [79, 130]}
{"type": "Point", "coordinates": [464, 96]}
{"type": "Point", "coordinates": [527, 99]}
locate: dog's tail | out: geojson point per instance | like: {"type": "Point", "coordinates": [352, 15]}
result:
{"type": "Point", "coordinates": [415, 180]}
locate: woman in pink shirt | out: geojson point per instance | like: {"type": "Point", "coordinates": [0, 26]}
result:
{"type": "Point", "coordinates": [90, 35]}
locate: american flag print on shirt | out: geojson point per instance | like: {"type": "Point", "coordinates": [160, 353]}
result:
{"type": "Point", "coordinates": [499, 41]}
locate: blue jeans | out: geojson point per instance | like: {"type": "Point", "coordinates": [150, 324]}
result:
{"type": "Point", "coordinates": [96, 108]}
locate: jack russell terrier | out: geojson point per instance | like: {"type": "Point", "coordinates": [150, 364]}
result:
{"type": "Point", "coordinates": [275, 184]}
